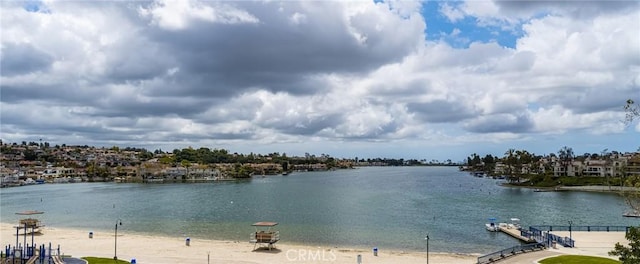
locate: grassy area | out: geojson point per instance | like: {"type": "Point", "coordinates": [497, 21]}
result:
{"type": "Point", "coordinates": [93, 260]}
{"type": "Point", "coordinates": [573, 259]}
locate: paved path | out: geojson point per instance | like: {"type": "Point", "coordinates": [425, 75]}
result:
{"type": "Point", "coordinates": [74, 261]}
{"type": "Point", "coordinates": [587, 243]}
{"type": "Point", "coordinates": [529, 258]}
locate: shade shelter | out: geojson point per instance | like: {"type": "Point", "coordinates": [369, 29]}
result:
{"type": "Point", "coordinates": [30, 224]}
{"type": "Point", "coordinates": [264, 235]}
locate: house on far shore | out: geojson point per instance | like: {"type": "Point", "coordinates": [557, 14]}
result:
{"type": "Point", "coordinates": [613, 166]}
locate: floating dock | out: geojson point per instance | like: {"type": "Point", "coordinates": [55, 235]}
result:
{"type": "Point", "coordinates": [514, 232]}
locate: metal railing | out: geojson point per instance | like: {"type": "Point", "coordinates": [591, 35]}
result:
{"type": "Point", "coordinates": [505, 253]}
{"type": "Point", "coordinates": [551, 228]}
{"type": "Point", "coordinates": [545, 239]}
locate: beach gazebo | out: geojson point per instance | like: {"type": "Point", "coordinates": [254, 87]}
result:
{"type": "Point", "coordinates": [266, 237]}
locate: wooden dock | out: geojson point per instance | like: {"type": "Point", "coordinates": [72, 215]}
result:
{"type": "Point", "coordinates": [514, 232]}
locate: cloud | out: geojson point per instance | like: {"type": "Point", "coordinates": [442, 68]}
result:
{"type": "Point", "coordinates": [500, 123]}
{"type": "Point", "coordinates": [453, 13]}
{"type": "Point", "coordinates": [23, 58]}
{"type": "Point", "coordinates": [575, 9]}
{"type": "Point", "coordinates": [262, 74]}
{"type": "Point", "coordinates": [176, 15]}
{"type": "Point", "coordinates": [441, 111]}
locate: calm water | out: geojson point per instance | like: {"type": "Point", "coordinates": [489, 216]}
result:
{"type": "Point", "coordinates": [387, 207]}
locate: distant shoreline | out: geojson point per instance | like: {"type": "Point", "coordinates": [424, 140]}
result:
{"type": "Point", "coordinates": [585, 188]}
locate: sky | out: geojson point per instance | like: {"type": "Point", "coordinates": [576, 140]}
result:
{"type": "Point", "coordinates": [398, 79]}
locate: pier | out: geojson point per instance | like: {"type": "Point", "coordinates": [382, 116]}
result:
{"type": "Point", "coordinates": [516, 233]}
{"type": "Point", "coordinates": [541, 237]}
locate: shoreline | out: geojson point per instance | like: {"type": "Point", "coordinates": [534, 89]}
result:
{"type": "Point", "coordinates": [11, 226]}
{"type": "Point", "coordinates": [584, 188]}
{"type": "Point", "coordinates": [149, 248]}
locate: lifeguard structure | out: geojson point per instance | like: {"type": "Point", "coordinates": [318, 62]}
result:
{"type": "Point", "coordinates": [30, 225]}
{"type": "Point", "coordinates": [266, 237]}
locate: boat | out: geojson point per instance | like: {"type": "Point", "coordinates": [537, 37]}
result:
{"type": "Point", "coordinates": [515, 224]}
{"type": "Point", "coordinates": [631, 213]}
{"type": "Point", "coordinates": [29, 181]}
{"type": "Point", "coordinates": [61, 180]}
{"type": "Point", "coordinates": [491, 226]}
{"type": "Point", "coordinates": [154, 180]}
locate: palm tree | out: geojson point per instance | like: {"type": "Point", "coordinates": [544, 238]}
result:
{"type": "Point", "coordinates": [607, 164]}
{"type": "Point", "coordinates": [509, 160]}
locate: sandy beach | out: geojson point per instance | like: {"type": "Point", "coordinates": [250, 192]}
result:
{"type": "Point", "coordinates": [158, 249]}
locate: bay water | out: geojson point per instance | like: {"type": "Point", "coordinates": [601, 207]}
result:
{"type": "Point", "coordinates": [384, 207]}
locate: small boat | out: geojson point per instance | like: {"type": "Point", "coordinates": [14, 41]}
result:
{"type": "Point", "coordinates": [29, 181]}
{"type": "Point", "coordinates": [631, 213]}
{"type": "Point", "coordinates": [491, 226]}
{"type": "Point", "coordinates": [515, 224]}
{"type": "Point", "coordinates": [154, 180]}
{"type": "Point", "coordinates": [61, 180]}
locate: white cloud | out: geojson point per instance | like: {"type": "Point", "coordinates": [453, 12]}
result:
{"type": "Point", "coordinates": [559, 120]}
{"type": "Point", "coordinates": [172, 73]}
{"type": "Point", "coordinates": [177, 14]}
{"type": "Point", "coordinates": [298, 18]}
{"type": "Point", "coordinates": [453, 13]}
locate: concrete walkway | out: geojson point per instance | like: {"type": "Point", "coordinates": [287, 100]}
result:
{"type": "Point", "coordinates": [587, 244]}
{"type": "Point", "coordinates": [529, 258]}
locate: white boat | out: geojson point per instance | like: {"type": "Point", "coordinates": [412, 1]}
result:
{"type": "Point", "coordinates": [154, 180]}
{"type": "Point", "coordinates": [61, 180]}
{"type": "Point", "coordinates": [515, 224]}
{"type": "Point", "coordinates": [29, 181]}
{"type": "Point", "coordinates": [491, 226]}
{"type": "Point", "coordinates": [631, 213]}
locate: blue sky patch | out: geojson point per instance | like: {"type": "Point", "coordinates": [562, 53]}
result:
{"type": "Point", "coordinates": [35, 7]}
{"type": "Point", "coordinates": [461, 33]}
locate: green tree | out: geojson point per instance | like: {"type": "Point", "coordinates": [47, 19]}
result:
{"type": "Point", "coordinates": [187, 165]}
{"type": "Point", "coordinates": [489, 164]}
{"type": "Point", "coordinates": [166, 159]}
{"type": "Point", "coordinates": [30, 155]}
{"type": "Point", "coordinates": [630, 254]}
{"type": "Point", "coordinates": [509, 159]}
